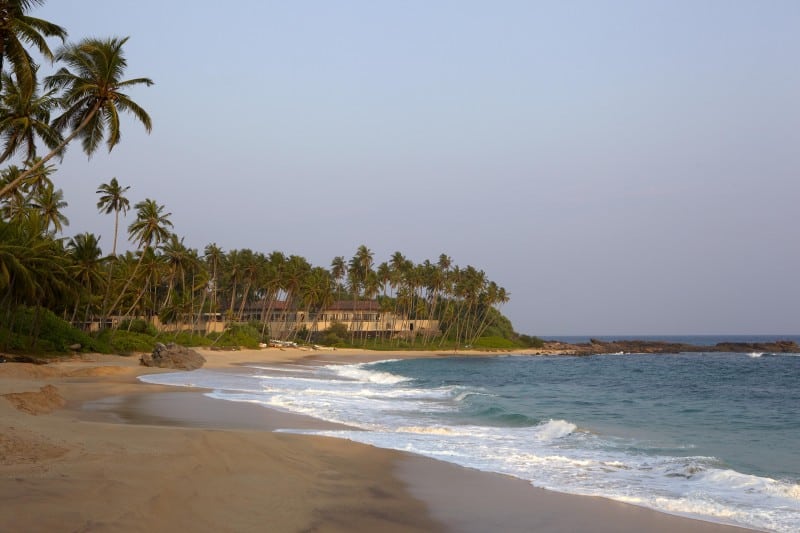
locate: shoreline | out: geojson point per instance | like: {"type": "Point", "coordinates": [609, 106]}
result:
{"type": "Point", "coordinates": [344, 485]}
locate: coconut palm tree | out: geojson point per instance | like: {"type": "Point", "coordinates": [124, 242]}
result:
{"type": "Point", "coordinates": [148, 230]}
{"type": "Point", "coordinates": [150, 227]}
{"type": "Point", "coordinates": [178, 260]}
{"type": "Point", "coordinates": [294, 272]}
{"type": "Point", "coordinates": [33, 265]}
{"type": "Point", "coordinates": [17, 28]}
{"type": "Point", "coordinates": [233, 274]}
{"type": "Point", "coordinates": [250, 262]}
{"type": "Point", "coordinates": [317, 294]}
{"type": "Point", "coordinates": [49, 202]}
{"type": "Point", "coordinates": [12, 206]}
{"type": "Point", "coordinates": [214, 256]}
{"type": "Point", "coordinates": [358, 274]}
{"type": "Point", "coordinates": [86, 265]}
{"type": "Point", "coordinates": [17, 203]}
{"type": "Point", "coordinates": [271, 280]}
{"type": "Point", "coordinates": [112, 200]}
{"type": "Point", "coordinates": [24, 117]}
{"type": "Point", "coordinates": [91, 96]}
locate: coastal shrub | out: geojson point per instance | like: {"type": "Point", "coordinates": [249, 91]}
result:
{"type": "Point", "coordinates": [124, 342]}
{"type": "Point", "coordinates": [40, 330]}
{"type": "Point", "coordinates": [238, 335]}
{"type": "Point", "coordinates": [186, 338]}
{"type": "Point", "coordinates": [335, 335]}
{"type": "Point", "coordinates": [529, 341]}
{"type": "Point", "coordinates": [495, 343]}
{"type": "Point", "coordinates": [138, 325]}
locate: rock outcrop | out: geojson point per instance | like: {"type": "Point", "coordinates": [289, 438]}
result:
{"type": "Point", "coordinates": [173, 356]}
{"type": "Point", "coordinates": [597, 347]}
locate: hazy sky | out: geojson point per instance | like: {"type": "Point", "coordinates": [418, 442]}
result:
{"type": "Point", "coordinates": [619, 167]}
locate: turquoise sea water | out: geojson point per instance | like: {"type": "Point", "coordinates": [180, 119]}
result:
{"type": "Point", "coordinates": [712, 436]}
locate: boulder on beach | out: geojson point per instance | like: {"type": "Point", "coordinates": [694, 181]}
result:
{"type": "Point", "coordinates": [173, 356]}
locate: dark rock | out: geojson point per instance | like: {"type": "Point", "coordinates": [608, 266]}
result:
{"type": "Point", "coordinates": [173, 356]}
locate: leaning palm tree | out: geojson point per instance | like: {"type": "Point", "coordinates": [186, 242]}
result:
{"type": "Point", "coordinates": [112, 200]}
{"type": "Point", "coordinates": [13, 205]}
{"type": "Point", "coordinates": [149, 229]}
{"type": "Point", "coordinates": [91, 97]}
{"type": "Point", "coordinates": [17, 28]}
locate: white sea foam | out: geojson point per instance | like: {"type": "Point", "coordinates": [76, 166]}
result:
{"type": "Point", "coordinates": [555, 429]}
{"type": "Point", "coordinates": [295, 369]}
{"type": "Point", "coordinates": [755, 354]}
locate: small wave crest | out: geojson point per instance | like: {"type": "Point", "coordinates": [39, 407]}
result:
{"type": "Point", "coordinates": [554, 429]}
{"type": "Point", "coordinates": [462, 395]}
{"type": "Point", "coordinates": [359, 373]}
{"type": "Point", "coordinates": [753, 484]}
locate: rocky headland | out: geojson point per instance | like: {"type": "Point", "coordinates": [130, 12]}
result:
{"type": "Point", "coordinates": [596, 347]}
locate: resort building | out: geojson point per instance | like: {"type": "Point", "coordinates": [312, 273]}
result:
{"type": "Point", "coordinates": [362, 316]}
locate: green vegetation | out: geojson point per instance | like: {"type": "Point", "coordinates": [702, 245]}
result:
{"type": "Point", "coordinates": [55, 290]}
{"type": "Point", "coordinates": [38, 330]}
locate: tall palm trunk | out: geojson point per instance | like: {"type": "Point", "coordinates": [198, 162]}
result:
{"type": "Point", "coordinates": [40, 163]}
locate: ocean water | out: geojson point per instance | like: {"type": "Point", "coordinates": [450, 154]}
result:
{"type": "Point", "coordinates": [711, 436]}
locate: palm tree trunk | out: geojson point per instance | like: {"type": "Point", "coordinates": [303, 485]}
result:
{"type": "Point", "coordinates": [25, 175]}
{"type": "Point", "coordinates": [116, 231]}
{"type": "Point", "coordinates": [127, 283]}
{"type": "Point", "coordinates": [244, 300]}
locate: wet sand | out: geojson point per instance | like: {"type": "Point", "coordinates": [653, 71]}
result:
{"type": "Point", "coordinates": [108, 453]}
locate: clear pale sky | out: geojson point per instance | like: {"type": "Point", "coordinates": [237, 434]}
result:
{"type": "Point", "coordinates": [619, 167]}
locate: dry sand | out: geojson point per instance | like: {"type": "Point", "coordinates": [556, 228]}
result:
{"type": "Point", "coordinates": [84, 446]}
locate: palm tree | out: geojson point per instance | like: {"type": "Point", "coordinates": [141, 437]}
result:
{"type": "Point", "coordinates": [148, 230]}
{"type": "Point", "coordinates": [17, 203]}
{"type": "Point", "coordinates": [49, 202]}
{"type": "Point", "coordinates": [112, 200]}
{"type": "Point", "coordinates": [233, 275]}
{"type": "Point", "coordinates": [250, 263]}
{"type": "Point", "coordinates": [358, 272]}
{"type": "Point", "coordinates": [16, 28]}
{"type": "Point", "coordinates": [91, 96]}
{"type": "Point", "coordinates": [317, 290]}
{"type": "Point", "coordinates": [296, 268]}
{"type": "Point", "coordinates": [150, 227]}
{"type": "Point", "coordinates": [84, 251]}
{"type": "Point", "coordinates": [338, 270]}
{"type": "Point", "coordinates": [12, 206]}
{"type": "Point", "coordinates": [214, 256]}
{"type": "Point", "coordinates": [25, 116]}
{"type": "Point", "coordinates": [177, 257]}
{"type": "Point", "coordinates": [33, 267]}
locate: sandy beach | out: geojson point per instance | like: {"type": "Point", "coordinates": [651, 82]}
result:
{"type": "Point", "coordinates": [85, 446]}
